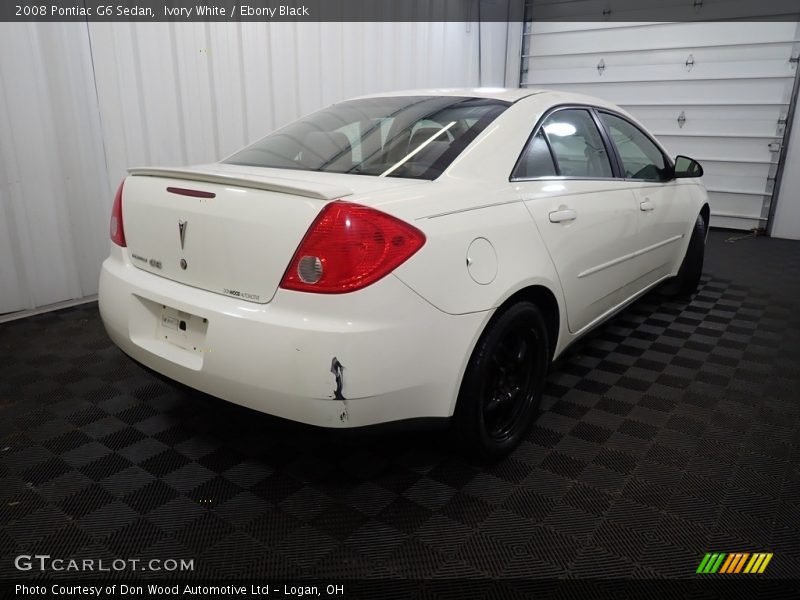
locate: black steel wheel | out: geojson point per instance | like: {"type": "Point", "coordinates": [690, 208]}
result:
{"type": "Point", "coordinates": [502, 387]}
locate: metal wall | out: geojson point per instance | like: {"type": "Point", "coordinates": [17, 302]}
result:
{"type": "Point", "coordinates": [54, 188]}
{"type": "Point", "coordinates": [718, 92]}
{"type": "Point", "coordinates": [79, 104]}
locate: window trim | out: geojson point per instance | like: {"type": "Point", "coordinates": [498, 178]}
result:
{"type": "Point", "coordinates": [611, 148]}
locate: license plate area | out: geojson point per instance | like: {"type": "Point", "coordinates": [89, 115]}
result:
{"type": "Point", "coordinates": [182, 329]}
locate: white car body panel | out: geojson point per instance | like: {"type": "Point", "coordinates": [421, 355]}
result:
{"type": "Point", "coordinates": [442, 275]}
{"type": "Point", "coordinates": [606, 220]}
{"type": "Point", "coordinates": [404, 341]}
{"type": "Point", "coordinates": [240, 220]}
{"type": "Point", "coordinates": [277, 357]}
{"type": "Point", "coordinates": [262, 216]}
{"type": "Point", "coordinates": [662, 228]}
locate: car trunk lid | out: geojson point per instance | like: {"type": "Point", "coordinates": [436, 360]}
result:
{"type": "Point", "coordinates": [232, 231]}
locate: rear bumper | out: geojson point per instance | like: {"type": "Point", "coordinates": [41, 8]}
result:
{"type": "Point", "coordinates": [401, 357]}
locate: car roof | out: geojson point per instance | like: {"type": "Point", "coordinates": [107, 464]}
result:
{"type": "Point", "coordinates": [546, 97]}
{"type": "Point", "coordinates": [507, 94]}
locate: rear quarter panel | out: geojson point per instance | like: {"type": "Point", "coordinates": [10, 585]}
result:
{"type": "Point", "coordinates": [513, 258]}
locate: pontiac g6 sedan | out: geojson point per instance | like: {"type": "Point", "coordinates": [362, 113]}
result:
{"type": "Point", "coordinates": [410, 255]}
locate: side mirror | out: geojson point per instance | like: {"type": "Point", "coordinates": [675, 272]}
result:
{"type": "Point", "coordinates": [687, 167]}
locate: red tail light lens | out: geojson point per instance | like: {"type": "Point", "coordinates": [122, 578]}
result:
{"type": "Point", "coordinates": [116, 229]}
{"type": "Point", "coordinates": [349, 247]}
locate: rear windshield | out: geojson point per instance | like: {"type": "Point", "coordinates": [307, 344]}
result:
{"type": "Point", "coordinates": [407, 136]}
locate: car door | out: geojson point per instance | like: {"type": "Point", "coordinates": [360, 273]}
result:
{"type": "Point", "coordinates": [662, 202]}
{"type": "Point", "coordinates": [585, 214]}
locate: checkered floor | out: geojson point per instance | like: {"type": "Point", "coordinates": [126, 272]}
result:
{"type": "Point", "coordinates": [671, 431]}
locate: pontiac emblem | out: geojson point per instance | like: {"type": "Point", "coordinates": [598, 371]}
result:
{"type": "Point", "coordinates": [182, 231]}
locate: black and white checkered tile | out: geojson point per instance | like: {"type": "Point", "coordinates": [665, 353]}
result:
{"type": "Point", "coordinates": [671, 431]}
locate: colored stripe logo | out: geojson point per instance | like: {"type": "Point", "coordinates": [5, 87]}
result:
{"type": "Point", "coordinates": [734, 562]}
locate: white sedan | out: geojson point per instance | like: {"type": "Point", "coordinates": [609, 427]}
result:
{"type": "Point", "coordinates": [401, 256]}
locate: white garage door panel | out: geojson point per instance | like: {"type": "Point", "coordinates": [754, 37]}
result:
{"type": "Point", "coordinates": [725, 108]}
{"type": "Point", "coordinates": [737, 204]}
{"type": "Point", "coordinates": [679, 56]}
{"type": "Point", "coordinates": [737, 176]}
{"type": "Point", "coordinates": [754, 69]}
{"type": "Point", "coordinates": [636, 10]}
{"type": "Point", "coordinates": [758, 120]}
{"type": "Point", "coordinates": [657, 36]}
{"type": "Point", "coordinates": [734, 148]}
{"type": "Point", "coordinates": [747, 91]}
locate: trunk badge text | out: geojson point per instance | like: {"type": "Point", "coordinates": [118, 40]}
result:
{"type": "Point", "coordinates": [182, 231]}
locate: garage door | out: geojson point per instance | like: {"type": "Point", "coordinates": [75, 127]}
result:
{"type": "Point", "coordinates": [718, 92]}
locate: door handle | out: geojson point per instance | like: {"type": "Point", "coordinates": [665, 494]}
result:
{"type": "Point", "coordinates": [646, 205]}
{"type": "Point", "coordinates": [565, 214]}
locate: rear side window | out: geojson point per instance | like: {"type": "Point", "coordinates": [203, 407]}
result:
{"type": "Point", "coordinates": [536, 160]}
{"type": "Point", "coordinates": [576, 143]}
{"type": "Point", "coordinates": [641, 158]}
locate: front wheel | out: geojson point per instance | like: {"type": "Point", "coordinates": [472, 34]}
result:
{"type": "Point", "coordinates": [688, 278]}
{"type": "Point", "coordinates": [503, 383]}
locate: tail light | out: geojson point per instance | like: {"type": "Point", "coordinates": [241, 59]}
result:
{"type": "Point", "coordinates": [349, 247]}
{"type": "Point", "coordinates": [116, 229]}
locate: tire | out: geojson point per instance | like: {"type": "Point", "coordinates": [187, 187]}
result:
{"type": "Point", "coordinates": [502, 386]}
{"type": "Point", "coordinates": [688, 278]}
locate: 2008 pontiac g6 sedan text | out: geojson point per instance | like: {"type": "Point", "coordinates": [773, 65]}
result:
{"type": "Point", "coordinates": [405, 255]}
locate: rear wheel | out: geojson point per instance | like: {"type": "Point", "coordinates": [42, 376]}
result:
{"type": "Point", "coordinates": [503, 384]}
{"type": "Point", "coordinates": [688, 278]}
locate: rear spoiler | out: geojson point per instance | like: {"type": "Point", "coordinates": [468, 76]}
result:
{"type": "Point", "coordinates": [272, 184]}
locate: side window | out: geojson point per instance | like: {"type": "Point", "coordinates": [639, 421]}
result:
{"type": "Point", "coordinates": [641, 158]}
{"type": "Point", "coordinates": [578, 148]}
{"type": "Point", "coordinates": [536, 160]}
